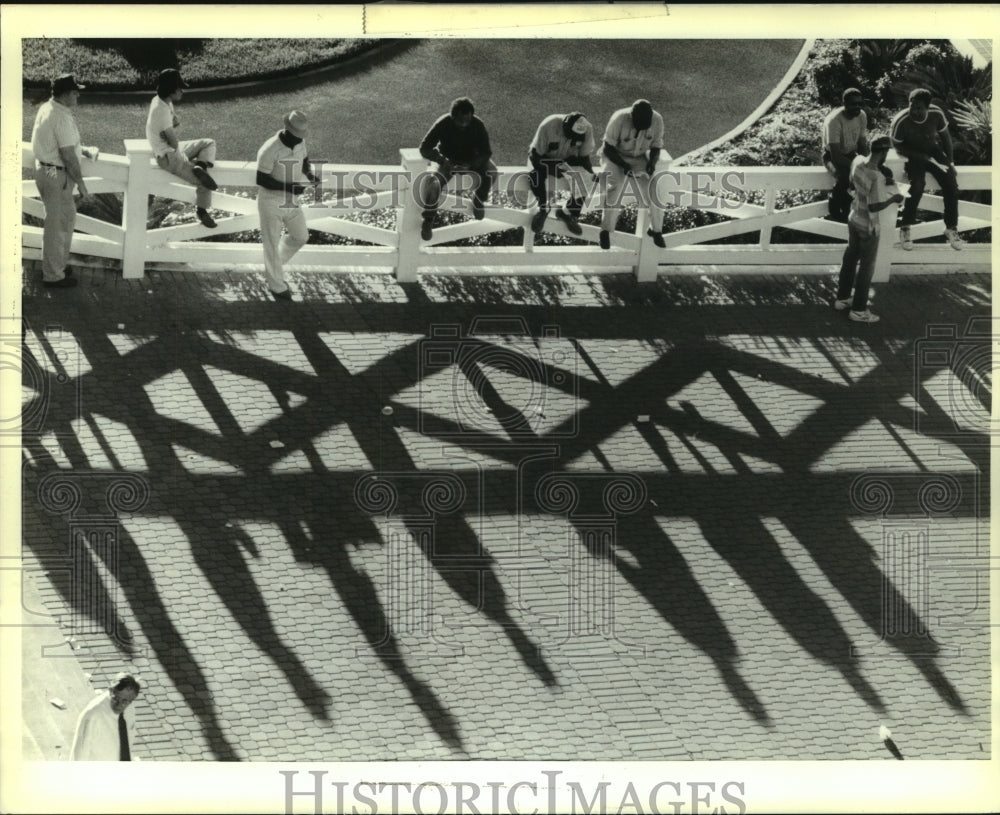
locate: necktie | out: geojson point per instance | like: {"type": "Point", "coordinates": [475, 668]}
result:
{"type": "Point", "coordinates": [124, 754]}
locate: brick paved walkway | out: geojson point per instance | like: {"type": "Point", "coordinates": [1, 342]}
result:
{"type": "Point", "coordinates": [706, 518]}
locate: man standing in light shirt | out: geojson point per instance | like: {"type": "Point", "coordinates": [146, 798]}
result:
{"type": "Point", "coordinates": [562, 146]}
{"type": "Point", "coordinates": [283, 169]}
{"type": "Point", "coordinates": [189, 160]}
{"type": "Point", "coordinates": [858, 265]}
{"type": "Point", "coordinates": [633, 144]}
{"type": "Point", "coordinates": [55, 142]}
{"type": "Point", "coordinates": [105, 730]}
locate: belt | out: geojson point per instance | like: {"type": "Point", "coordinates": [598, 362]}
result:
{"type": "Point", "coordinates": [46, 164]}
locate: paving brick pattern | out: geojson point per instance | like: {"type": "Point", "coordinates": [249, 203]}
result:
{"type": "Point", "coordinates": [711, 519]}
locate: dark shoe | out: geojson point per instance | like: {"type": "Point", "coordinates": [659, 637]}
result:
{"type": "Point", "coordinates": [657, 238]}
{"type": "Point", "coordinates": [478, 212]}
{"type": "Point", "coordinates": [206, 219]}
{"type": "Point", "coordinates": [204, 178]}
{"type": "Point", "coordinates": [570, 221]}
{"type": "Point", "coordinates": [207, 165]}
{"type": "Point", "coordinates": [605, 239]}
{"type": "Point", "coordinates": [66, 283]}
{"type": "Point", "coordinates": [538, 221]}
{"type": "Point", "coordinates": [426, 231]}
{"type": "Point", "coordinates": [282, 295]}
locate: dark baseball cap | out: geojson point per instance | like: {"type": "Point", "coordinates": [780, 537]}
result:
{"type": "Point", "coordinates": [170, 78]}
{"type": "Point", "coordinates": [64, 83]}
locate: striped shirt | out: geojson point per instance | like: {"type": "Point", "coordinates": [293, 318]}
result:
{"type": "Point", "coordinates": [869, 188]}
{"type": "Point", "coordinates": [924, 136]}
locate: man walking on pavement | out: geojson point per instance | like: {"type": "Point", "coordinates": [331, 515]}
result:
{"type": "Point", "coordinates": [858, 265]}
{"type": "Point", "coordinates": [562, 146]}
{"type": "Point", "coordinates": [55, 142]}
{"type": "Point", "coordinates": [458, 142]}
{"type": "Point", "coordinates": [105, 730]}
{"type": "Point", "coordinates": [633, 144]}
{"type": "Point", "coordinates": [189, 160]}
{"type": "Point", "coordinates": [282, 171]}
{"type": "Point", "coordinates": [920, 135]}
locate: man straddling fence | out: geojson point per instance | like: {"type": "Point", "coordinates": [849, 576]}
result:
{"type": "Point", "coordinates": [562, 146]}
{"type": "Point", "coordinates": [920, 134]}
{"type": "Point", "coordinates": [633, 144]}
{"type": "Point", "coordinates": [55, 142]}
{"type": "Point", "coordinates": [283, 170]}
{"type": "Point", "coordinates": [190, 159]}
{"type": "Point", "coordinates": [858, 265]}
{"type": "Point", "coordinates": [458, 142]}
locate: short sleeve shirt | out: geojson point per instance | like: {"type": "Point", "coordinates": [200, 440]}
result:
{"type": "Point", "coordinates": [55, 127]}
{"type": "Point", "coordinates": [160, 118]}
{"type": "Point", "coordinates": [629, 142]}
{"type": "Point", "coordinates": [921, 136]}
{"type": "Point", "coordinates": [844, 132]}
{"type": "Point", "coordinates": [281, 162]}
{"type": "Point", "coordinates": [869, 188]}
{"type": "Point", "coordinates": [551, 142]}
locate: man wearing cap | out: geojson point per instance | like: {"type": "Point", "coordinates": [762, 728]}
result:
{"type": "Point", "coordinates": [858, 264]}
{"type": "Point", "coordinates": [633, 144]}
{"type": "Point", "coordinates": [55, 141]}
{"type": "Point", "coordinates": [190, 159]}
{"type": "Point", "coordinates": [282, 171]}
{"type": "Point", "coordinates": [562, 146]}
{"type": "Point", "coordinates": [458, 143]}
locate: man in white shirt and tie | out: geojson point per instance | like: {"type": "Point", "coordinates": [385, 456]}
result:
{"type": "Point", "coordinates": [106, 728]}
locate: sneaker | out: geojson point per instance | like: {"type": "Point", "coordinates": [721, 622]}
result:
{"type": "Point", "coordinates": [206, 219]}
{"type": "Point", "coordinates": [956, 242]}
{"type": "Point", "coordinates": [863, 316]}
{"type": "Point", "coordinates": [282, 295]}
{"type": "Point", "coordinates": [605, 239]}
{"type": "Point", "coordinates": [426, 232]}
{"type": "Point", "coordinates": [538, 220]}
{"type": "Point", "coordinates": [657, 238]}
{"type": "Point", "coordinates": [904, 238]}
{"type": "Point", "coordinates": [840, 305]}
{"type": "Point", "coordinates": [571, 223]}
{"type": "Point", "coordinates": [65, 283]}
{"type": "Point", "coordinates": [478, 212]}
{"type": "Point", "coordinates": [204, 178]}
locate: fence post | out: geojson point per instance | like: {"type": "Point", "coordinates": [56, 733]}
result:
{"type": "Point", "coordinates": [647, 263]}
{"type": "Point", "coordinates": [770, 198]}
{"type": "Point", "coordinates": [134, 211]}
{"type": "Point", "coordinates": [409, 217]}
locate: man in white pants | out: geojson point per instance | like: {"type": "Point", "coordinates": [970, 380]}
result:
{"type": "Point", "coordinates": [189, 160]}
{"type": "Point", "coordinates": [633, 144]}
{"type": "Point", "coordinates": [282, 171]}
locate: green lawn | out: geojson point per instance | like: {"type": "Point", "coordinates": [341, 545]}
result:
{"type": "Point", "coordinates": [134, 64]}
{"type": "Point", "coordinates": [702, 87]}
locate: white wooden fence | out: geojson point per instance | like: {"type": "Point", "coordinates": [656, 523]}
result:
{"type": "Point", "coordinates": [402, 251]}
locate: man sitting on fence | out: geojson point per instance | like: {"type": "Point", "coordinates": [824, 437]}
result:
{"type": "Point", "coordinates": [282, 171]}
{"type": "Point", "coordinates": [459, 143]}
{"type": "Point", "coordinates": [845, 136]}
{"type": "Point", "coordinates": [189, 160]}
{"type": "Point", "coordinates": [562, 146]}
{"type": "Point", "coordinates": [633, 144]}
{"type": "Point", "coordinates": [55, 141]}
{"type": "Point", "coordinates": [920, 134]}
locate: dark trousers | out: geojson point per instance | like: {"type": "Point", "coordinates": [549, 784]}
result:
{"type": "Point", "coordinates": [482, 171]}
{"type": "Point", "coordinates": [916, 171]}
{"type": "Point", "coordinates": [840, 197]}
{"type": "Point", "coordinates": [858, 266]}
{"type": "Point", "coordinates": [541, 169]}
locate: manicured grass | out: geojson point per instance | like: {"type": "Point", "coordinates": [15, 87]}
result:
{"type": "Point", "coordinates": [703, 88]}
{"type": "Point", "coordinates": [134, 64]}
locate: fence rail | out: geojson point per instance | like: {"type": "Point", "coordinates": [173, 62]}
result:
{"type": "Point", "coordinates": [723, 190]}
